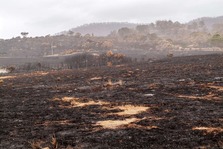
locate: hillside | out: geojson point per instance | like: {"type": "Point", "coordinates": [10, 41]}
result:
{"type": "Point", "coordinates": [173, 103]}
{"type": "Point", "coordinates": [210, 22]}
{"type": "Point", "coordinates": [103, 29]}
{"type": "Point", "coordinates": [138, 41]}
{"type": "Point", "coordinates": [99, 29]}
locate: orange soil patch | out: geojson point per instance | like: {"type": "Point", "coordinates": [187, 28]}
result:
{"type": "Point", "coordinates": [113, 124]}
{"type": "Point", "coordinates": [76, 103]}
{"type": "Point", "coordinates": [220, 88]}
{"type": "Point", "coordinates": [7, 77]}
{"type": "Point", "coordinates": [209, 129]}
{"type": "Point", "coordinates": [131, 110]}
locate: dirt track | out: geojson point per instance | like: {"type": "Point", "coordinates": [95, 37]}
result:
{"type": "Point", "coordinates": [173, 103]}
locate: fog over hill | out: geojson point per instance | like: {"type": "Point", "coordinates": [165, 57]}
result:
{"type": "Point", "coordinates": [100, 29]}
{"type": "Point", "coordinates": [105, 28]}
{"type": "Point", "coordinates": [137, 41]}
{"type": "Point", "coordinates": [210, 22]}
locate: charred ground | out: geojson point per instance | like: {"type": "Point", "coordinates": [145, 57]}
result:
{"type": "Point", "coordinates": [171, 103]}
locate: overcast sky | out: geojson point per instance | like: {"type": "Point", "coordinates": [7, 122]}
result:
{"type": "Point", "coordinates": [42, 17]}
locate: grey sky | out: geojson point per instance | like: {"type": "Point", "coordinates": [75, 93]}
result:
{"type": "Point", "coordinates": [42, 17]}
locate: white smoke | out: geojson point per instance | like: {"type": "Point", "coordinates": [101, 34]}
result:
{"type": "Point", "coordinates": [4, 71]}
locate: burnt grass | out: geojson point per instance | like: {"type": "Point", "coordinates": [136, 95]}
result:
{"type": "Point", "coordinates": [184, 96]}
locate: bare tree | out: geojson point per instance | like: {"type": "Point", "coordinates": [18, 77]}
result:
{"type": "Point", "coordinates": [24, 34]}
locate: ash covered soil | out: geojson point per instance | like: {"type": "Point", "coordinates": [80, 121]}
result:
{"type": "Point", "coordinates": [171, 103]}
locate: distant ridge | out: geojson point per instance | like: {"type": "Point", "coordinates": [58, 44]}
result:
{"type": "Point", "coordinates": [209, 21]}
{"type": "Point", "coordinates": [105, 28]}
{"type": "Point", "coordinates": [100, 29]}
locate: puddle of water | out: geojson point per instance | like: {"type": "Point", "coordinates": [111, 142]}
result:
{"type": "Point", "coordinates": [148, 95]}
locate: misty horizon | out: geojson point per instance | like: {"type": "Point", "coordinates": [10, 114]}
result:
{"type": "Point", "coordinates": [44, 17]}
{"type": "Point", "coordinates": [108, 22]}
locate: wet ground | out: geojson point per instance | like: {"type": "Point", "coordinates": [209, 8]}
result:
{"type": "Point", "coordinates": [172, 103]}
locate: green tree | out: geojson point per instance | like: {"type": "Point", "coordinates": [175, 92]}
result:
{"type": "Point", "coordinates": [217, 40]}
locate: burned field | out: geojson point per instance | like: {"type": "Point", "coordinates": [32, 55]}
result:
{"type": "Point", "coordinates": [172, 103]}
